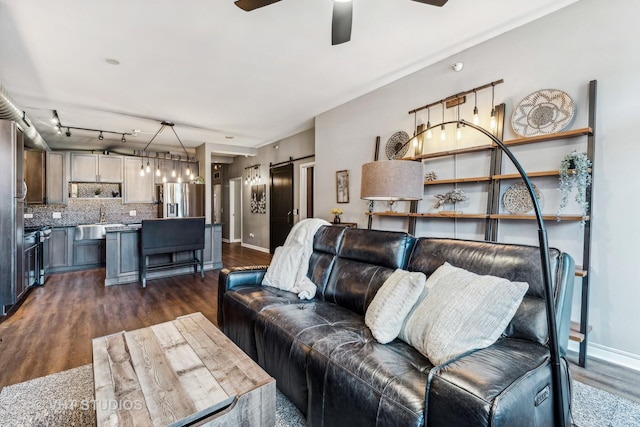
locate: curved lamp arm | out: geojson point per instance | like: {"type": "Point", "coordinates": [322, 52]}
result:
{"type": "Point", "coordinates": [556, 373]}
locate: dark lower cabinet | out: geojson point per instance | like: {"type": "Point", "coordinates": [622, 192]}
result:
{"type": "Point", "coordinates": [59, 248]}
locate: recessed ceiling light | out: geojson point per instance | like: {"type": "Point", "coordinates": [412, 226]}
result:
{"type": "Point", "coordinates": [112, 61]}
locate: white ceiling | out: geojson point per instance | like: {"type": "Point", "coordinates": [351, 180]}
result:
{"type": "Point", "coordinates": [217, 71]}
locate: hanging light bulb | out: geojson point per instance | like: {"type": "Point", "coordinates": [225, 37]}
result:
{"type": "Point", "coordinates": [148, 168]}
{"type": "Point", "coordinates": [158, 168]}
{"type": "Point", "coordinates": [191, 177]}
{"type": "Point", "coordinates": [429, 132]}
{"type": "Point", "coordinates": [188, 172]}
{"type": "Point", "coordinates": [180, 180]}
{"type": "Point", "coordinates": [141, 170]}
{"type": "Point", "coordinates": [443, 133]}
{"type": "Point", "coordinates": [493, 124]}
{"type": "Point", "coordinates": [415, 128]}
{"type": "Point", "coordinates": [164, 179]}
{"type": "Point", "coordinates": [458, 125]}
{"type": "Point", "coordinates": [173, 172]}
{"type": "Point", "coordinates": [476, 116]}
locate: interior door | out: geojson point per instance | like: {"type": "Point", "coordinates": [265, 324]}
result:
{"type": "Point", "coordinates": [281, 207]}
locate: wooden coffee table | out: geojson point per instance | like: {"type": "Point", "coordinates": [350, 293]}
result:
{"type": "Point", "coordinates": [183, 372]}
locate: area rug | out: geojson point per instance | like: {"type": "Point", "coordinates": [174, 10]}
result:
{"type": "Point", "coordinates": [64, 399]}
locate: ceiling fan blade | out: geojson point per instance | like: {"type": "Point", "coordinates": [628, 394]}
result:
{"type": "Point", "coordinates": [341, 24]}
{"type": "Point", "coordinates": [249, 5]}
{"type": "Point", "coordinates": [438, 3]}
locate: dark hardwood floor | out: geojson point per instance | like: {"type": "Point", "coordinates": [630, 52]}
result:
{"type": "Point", "coordinates": [52, 330]}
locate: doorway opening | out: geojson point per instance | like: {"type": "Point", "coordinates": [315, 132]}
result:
{"type": "Point", "coordinates": [307, 190]}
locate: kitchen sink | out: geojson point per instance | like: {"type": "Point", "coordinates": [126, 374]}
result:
{"type": "Point", "coordinates": [93, 231]}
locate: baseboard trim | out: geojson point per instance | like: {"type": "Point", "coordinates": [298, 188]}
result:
{"type": "Point", "coordinates": [256, 248]}
{"type": "Point", "coordinates": [608, 354]}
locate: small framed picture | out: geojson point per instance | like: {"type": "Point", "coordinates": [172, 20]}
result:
{"type": "Point", "coordinates": [342, 186]}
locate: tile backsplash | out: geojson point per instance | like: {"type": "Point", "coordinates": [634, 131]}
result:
{"type": "Point", "coordinates": [87, 211]}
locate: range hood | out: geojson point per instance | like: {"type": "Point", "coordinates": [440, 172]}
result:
{"type": "Point", "coordinates": [10, 111]}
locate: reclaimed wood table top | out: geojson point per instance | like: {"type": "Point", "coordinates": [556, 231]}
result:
{"type": "Point", "coordinates": [171, 374]}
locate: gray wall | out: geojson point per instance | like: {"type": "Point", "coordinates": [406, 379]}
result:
{"type": "Point", "coordinates": [299, 145]}
{"type": "Point", "coordinates": [589, 40]}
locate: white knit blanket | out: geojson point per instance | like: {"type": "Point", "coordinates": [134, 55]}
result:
{"type": "Point", "coordinates": [299, 247]}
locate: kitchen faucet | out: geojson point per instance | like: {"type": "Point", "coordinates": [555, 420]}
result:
{"type": "Point", "coordinates": [103, 216]}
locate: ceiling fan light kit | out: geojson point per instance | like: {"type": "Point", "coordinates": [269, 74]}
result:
{"type": "Point", "coordinates": [342, 15]}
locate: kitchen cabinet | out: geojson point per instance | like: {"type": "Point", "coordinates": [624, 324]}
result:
{"type": "Point", "coordinates": [34, 176]}
{"type": "Point", "coordinates": [88, 167]}
{"type": "Point", "coordinates": [137, 189]}
{"type": "Point", "coordinates": [60, 248]}
{"type": "Point", "coordinates": [57, 181]}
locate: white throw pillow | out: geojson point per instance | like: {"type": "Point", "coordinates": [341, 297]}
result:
{"type": "Point", "coordinates": [461, 311]}
{"type": "Point", "coordinates": [392, 303]}
{"type": "Point", "coordinates": [283, 269]}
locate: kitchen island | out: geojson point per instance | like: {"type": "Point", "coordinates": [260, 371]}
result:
{"type": "Point", "coordinates": [123, 255]}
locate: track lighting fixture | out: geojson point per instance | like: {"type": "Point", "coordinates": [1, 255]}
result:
{"type": "Point", "coordinates": [55, 119]}
{"type": "Point", "coordinates": [458, 125]}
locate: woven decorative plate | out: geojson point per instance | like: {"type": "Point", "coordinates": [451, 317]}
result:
{"type": "Point", "coordinates": [517, 200]}
{"type": "Point", "coordinates": [543, 112]}
{"type": "Point", "coordinates": [397, 145]}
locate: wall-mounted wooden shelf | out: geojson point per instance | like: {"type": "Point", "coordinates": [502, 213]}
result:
{"type": "Point", "coordinates": [453, 152]}
{"type": "Point", "coordinates": [550, 218]}
{"type": "Point", "coordinates": [456, 180]}
{"type": "Point", "coordinates": [574, 133]}
{"type": "Point", "coordinates": [529, 174]}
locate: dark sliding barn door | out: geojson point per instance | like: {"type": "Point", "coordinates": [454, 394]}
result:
{"type": "Point", "coordinates": [281, 207]}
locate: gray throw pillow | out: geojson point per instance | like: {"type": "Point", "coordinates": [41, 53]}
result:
{"type": "Point", "coordinates": [460, 311]}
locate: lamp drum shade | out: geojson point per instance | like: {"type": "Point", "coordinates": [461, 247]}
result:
{"type": "Point", "coordinates": [392, 180]}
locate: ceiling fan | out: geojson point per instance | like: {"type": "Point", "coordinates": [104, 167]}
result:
{"type": "Point", "coordinates": [342, 15]}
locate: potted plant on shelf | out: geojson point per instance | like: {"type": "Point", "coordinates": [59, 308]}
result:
{"type": "Point", "coordinates": [575, 170]}
{"type": "Point", "coordinates": [336, 212]}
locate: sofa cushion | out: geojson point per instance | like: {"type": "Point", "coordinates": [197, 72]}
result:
{"type": "Point", "coordinates": [356, 381]}
{"type": "Point", "coordinates": [285, 335]}
{"type": "Point", "coordinates": [241, 306]}
{"type": "Point", "coordinates": [397, 296]}
{"type": "Point", "coordinates": [366, 258]}
{"type": "Point", "coordinates": [461, 311]}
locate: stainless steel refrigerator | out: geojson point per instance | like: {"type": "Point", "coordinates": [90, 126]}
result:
{"type": "Point", "coordinates": [12, 194]}
{"type": "Point", "coordinates": [180, 200]}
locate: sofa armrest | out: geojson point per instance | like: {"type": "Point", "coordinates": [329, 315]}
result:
{"type": "Point", "coordinates": [234, 277]}
{"type": "Point", "coordinates": [563, 299]}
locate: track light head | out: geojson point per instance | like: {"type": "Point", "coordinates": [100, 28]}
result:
{"type": "Point", "coordinates": [68, 132]}
{"type": "Point", "coordinates": [123, 138]}
{"type": "Point", "coordinates": [100, 137]}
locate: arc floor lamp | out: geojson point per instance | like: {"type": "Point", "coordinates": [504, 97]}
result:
{"type": "Point", "coordinates": [410, 194]}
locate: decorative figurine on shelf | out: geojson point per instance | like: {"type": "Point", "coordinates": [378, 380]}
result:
{"type": "Point", "coordinates": [453, 196]}
{"type": "Point", "coordinates": [97, 192]}
{"type": "Point", "coordinates": [336, 212]}
{"type": "Point", "coordinates": [430, 176]}
{"type": "Point", "coordinates": [575, 168]}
